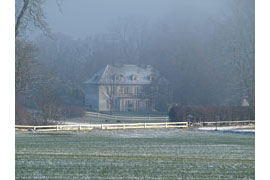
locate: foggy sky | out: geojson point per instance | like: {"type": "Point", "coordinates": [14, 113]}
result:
{"type": "Point", "coordinates": [83, 18]}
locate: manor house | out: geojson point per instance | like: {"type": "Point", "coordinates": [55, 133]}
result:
{"type": "Point", "coordinates": [120, 87]}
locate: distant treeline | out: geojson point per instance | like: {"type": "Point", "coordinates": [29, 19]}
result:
{"type": "Point", "coordinates": [179, 113]}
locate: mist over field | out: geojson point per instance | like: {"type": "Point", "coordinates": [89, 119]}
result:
{"type": "Point", "coordinates": [136, 89]}
{"type": "Point", "coordinates": [204, 49]}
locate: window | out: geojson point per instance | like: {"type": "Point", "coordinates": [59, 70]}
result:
{"type": "Point", "coordinates": [126, 90]}
{"type": "Point", "coordinates": [117, 77]}
{"type": "Point", "coordinates": [137, 90]}
{"type": "Point", "coordinates": [147, 105]}
{"type": "Point", "coordinates": [115, 103]}
{"type": "Point", "coordinates": [121, 90]}
{"type": "Point", "coordinates": [114, 90]}
{"type": "Point", "coordinates": [133, 77]}
{"type": "Point", "coordinates": [137, 104]}
{"type": "Point", "coordinates": [130, 104]}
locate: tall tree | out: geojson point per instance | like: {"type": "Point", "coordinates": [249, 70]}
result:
{"type": "Point", "coordinates": [24, 66]}
{"type": "Point", "coordinates": [240, 42]}
{"type": "Point", "coordinates": [29, 14]}
{"type": "Point", "coordinates": [244, 49]}
{"type": "Point", "coordinates": [131, 35]}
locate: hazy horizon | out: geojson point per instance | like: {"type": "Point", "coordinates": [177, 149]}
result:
{"type": "Point", "coordinates": [96, 16]}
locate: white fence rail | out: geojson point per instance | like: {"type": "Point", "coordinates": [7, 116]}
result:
{"type": "Point", "coordinates": [75, 127]}
{"type": "Point", "coordinates": [127, 118]}
{"type": "Point", "coordinates": [103, 126]}
{"type": "Point", "coordinates": [220, 123]}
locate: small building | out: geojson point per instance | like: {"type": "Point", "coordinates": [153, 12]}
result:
{"type": "Point", "coordinates": [120, 87]}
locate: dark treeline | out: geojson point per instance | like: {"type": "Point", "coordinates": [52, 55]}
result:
{"type": "Point", "coordinates": [193, 114]}
{"type": "Point", "coordinates": [210, 62]}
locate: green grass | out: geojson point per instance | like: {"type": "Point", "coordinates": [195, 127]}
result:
{"type": "Point", "coordinates": [96, 120]}
{"type": "Point", "coordinates": [135, 154]}
{"type": "Point", "coordinates": [136, 114]}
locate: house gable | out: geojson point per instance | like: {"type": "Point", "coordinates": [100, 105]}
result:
{"type": "Point", "coordinates": [124, 74]}
{"type": "Point", "coordinates": [120, 87]}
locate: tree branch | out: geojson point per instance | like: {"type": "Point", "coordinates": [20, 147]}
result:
{"type": "Point", "coordinates": [20, 17]}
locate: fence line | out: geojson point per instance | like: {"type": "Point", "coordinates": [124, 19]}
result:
{"type": "Point", "coordinates": [228, 122]}
{"type": "Point", "coordinates": [103, 126]}
{"type": "Point", "coordinates": [75, 127]}
{"type": "Point", "coordinates": [131, 118]}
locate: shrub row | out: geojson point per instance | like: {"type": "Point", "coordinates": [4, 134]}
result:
{"type": "Point", "coordinates": [46, 116]}
{"type": "Point", "coordinates": [180, 113]}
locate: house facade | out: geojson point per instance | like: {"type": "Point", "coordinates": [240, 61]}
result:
{"type": "Point", "coordinates": [120, 88]}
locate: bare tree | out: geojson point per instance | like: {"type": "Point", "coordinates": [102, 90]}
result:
{"type": "Point", "coordinates": [49, 105]}
{"type": "Point", "coordinates": [110, 92]}
{"type": "Point", "coordinates": [158, 93]}
{"type": "Point", "coordinates": [131, 35]}
{"type": "Point", "coordinates": [29, 14]}
{"type": "Point", "coordinates": [25, 66]}
{"type": "Point", "coordinates": [242, 42]}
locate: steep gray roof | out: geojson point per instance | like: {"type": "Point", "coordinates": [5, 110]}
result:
{"type": "Point", "coordinates": [123, 74]}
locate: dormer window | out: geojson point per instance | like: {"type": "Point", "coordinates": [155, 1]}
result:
{"type": "Point", "coordinates": [133, 77]}
{"type": "Point", "coordinates": [117, 77]}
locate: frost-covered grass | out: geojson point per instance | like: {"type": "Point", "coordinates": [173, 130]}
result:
{"type": "Point", "coordinates": [134, 154]}
{"type": "Point", "coordinates": [88, 119]}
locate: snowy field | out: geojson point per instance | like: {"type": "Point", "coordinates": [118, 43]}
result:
{"type": "Point", "coordinates": [135, 154]}
{"type": "Point", "coordinates": [247, 128]}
